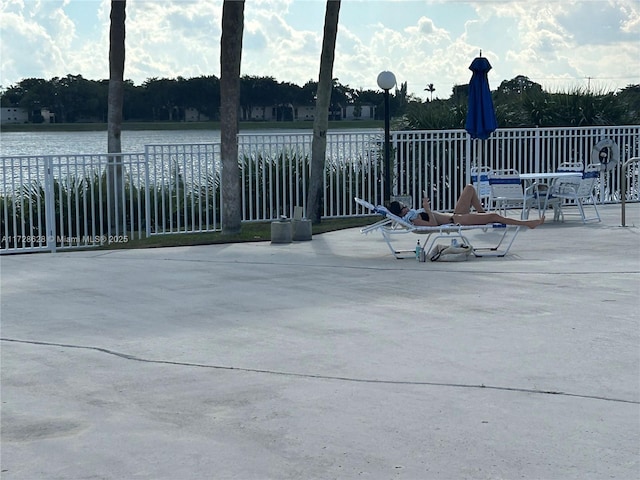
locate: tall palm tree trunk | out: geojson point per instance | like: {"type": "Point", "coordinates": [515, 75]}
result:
{"type": "Point", "coordinates": [321, 120]}
{"type": "Point", "coordinates": [115, 173]}
{"type": "Point", "coordinates": [230, 58]}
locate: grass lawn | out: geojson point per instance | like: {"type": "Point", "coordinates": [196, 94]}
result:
{"type": "Point", "coordinates": [250, 232]}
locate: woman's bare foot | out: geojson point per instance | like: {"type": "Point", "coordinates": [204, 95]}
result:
{"type": "Point", "coordinates": [534, 223]}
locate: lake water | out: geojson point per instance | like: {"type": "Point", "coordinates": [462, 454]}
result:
{"type": "Point", "coordinates": [56, 143]}
{"type": "Point", "coordinates": [52, 143]}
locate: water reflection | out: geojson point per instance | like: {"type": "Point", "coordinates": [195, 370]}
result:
{"type": "Point", "coordinates": [133, 141]}
{"type": "Point", "coordinates": [56, 143]}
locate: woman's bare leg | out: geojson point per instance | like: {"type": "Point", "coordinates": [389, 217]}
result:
{"type": "Point", "coordinates": [487, 218]}
{"type": "Point", "coordinates": [468, 198]}
{"type": "Point", "coordinates": [524, 223]}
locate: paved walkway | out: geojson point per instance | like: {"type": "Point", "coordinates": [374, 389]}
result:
{"type": "Point", "coordinates": [326, 359]}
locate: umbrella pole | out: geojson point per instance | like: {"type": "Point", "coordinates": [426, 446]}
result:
{"type": "Point", "coordinates": [481, 164]}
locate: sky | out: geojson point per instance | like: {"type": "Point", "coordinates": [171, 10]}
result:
{"type": "Point", "coordinates": [561, 44]}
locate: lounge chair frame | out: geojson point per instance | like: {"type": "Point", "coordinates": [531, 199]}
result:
{"type": "Point", "coordinates": [392, 226]}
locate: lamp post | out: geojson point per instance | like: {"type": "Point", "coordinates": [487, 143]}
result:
{"type": "Point", "coordinates": [386, 81]}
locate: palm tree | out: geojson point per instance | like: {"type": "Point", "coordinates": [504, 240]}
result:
{"type": "Point", "coordinates": [430, 88]}
{"type": "Point", "coordinates": [114, 110]}
{"type": "Point", "coordinates": [321, 120]}
{"type": "Point", "coordinates": [230, 57]}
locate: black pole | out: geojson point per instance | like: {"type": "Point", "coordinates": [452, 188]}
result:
{"type": "Point", "coordinates": [387, 151]}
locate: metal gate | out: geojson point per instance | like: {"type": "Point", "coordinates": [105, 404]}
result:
{"type": "Point", "coordinates": [51, 202]}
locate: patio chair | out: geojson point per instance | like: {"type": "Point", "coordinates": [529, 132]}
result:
{"type": "Point", "coordinates": [392, 225]}
{"type": "Point", "coordinates": [578, 192]}
{"type": "Point", "coordinates": [480, 181]}
{"type": "Point", "coordinates": [543, 192]}
{"type": "Point", "coordinates": [507, 192]}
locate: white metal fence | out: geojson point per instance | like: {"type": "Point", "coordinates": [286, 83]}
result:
{"type": "Point", "coordinates": [182, 192]}
{"type": "Point", "coordinates": [439, 162]}
{"type": "Point", "coordinates": [72, 201]}
{"type": "Point", "coordinates": [275, 172]}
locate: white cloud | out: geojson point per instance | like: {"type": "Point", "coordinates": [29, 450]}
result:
{"type": "Point", "coordinates": [422, 42]}
{"type": "Point", "coordinates": [27, 48]}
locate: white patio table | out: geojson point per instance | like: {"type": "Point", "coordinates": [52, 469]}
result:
{"type": "Point", "coordinates": [533, 179]}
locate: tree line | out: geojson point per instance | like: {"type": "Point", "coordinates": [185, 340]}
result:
{"type": "Point", "coordinates": [519, 102]}
{"type": "Point", "coordinates": [76, 99]}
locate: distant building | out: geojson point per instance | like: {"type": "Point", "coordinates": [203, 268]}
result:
{"type": "Point", "coordinates": [193, 115]}
{"type": "Point", "coordinates": [13, 115]}
{"type": "Point", "coordinates": [257, 114]}
{"type": "Point", "coordinates": [304, 113]}
{"type": "Point", "coordinates": [20, 115]}
{"type": "Point", "coordinates": [359, 112]}
{"type": "Point", "coordinates": [47, 115]}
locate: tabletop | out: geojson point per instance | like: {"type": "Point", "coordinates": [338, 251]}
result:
{"type": "Point", "coordinates": [543, 175]}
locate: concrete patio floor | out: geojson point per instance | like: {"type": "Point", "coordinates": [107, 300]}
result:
{"type": "Point", "coordinates": [326, 359]}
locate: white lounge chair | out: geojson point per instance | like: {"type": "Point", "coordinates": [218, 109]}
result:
{"type": "Point", "coordinates": [392, 225]}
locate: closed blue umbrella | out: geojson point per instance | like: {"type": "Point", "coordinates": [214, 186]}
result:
{"type": "Point", "coordinates": [481, 116]}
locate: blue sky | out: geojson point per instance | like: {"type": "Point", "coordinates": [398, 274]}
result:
{"type": "Point", "coordinates": [560, 44]}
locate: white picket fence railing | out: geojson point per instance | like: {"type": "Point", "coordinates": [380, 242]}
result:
{"type": "Point", "coordinates": [51, 202]}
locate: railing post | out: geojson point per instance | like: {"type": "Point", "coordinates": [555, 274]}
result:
{"type": "Point", "coordinates": [623, 188]}
{"type": "Point", "coordinates": [623, 192]}
{"type": "Point", "coordinates": [147, 194]}
{"type": "Point", "coordinates": [50, 205]}
{"type": "Point", "coordinates": [537, 149]}
{"type": "Point", "coordinates": [468, 164]}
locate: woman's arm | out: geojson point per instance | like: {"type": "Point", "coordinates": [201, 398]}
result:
{"type": "Point", "coordinates": [432, 222]}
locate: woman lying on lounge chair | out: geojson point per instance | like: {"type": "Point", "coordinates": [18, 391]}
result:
{"type": "Point", "coordinates": [461, 215]}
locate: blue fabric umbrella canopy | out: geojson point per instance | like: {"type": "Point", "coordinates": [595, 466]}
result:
{"type": "Point", "coordinates": [481, 116]}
